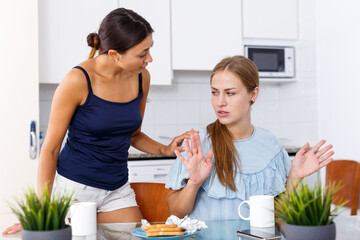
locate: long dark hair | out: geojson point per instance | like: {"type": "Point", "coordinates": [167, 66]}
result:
{"type": "Point", "coordinates": [227, 159]}
{"type": "Point", "coordinates": [120, 30]}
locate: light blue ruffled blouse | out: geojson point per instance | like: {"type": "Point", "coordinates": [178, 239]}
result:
{"type": "Point", "coordinates": [264, 165]}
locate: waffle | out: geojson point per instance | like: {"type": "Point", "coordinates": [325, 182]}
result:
{"type": "Point", "coordinates": [162, 230]}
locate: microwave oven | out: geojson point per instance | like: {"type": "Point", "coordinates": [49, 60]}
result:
{"type": "Point", "coordinates": [272, 61]}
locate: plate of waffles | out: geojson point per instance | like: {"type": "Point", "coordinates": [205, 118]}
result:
{"type": "Point", "coordinates": [161, 231]}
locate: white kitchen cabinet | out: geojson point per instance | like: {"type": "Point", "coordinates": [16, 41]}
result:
{"type": "Point", "coordinates": [63, 29]}
{"type": "Point", "coordinates": [149, 170]}
{"type": "Point", "coordinates": [64, 26]}
{"type": "Point", "coordinates": [204, 32]}
{"type": "Point", "coordinates": [270, 19]}
{"type": "Point", "coordinates": [19, 99]}
{"type": "Point", "coordinates": [157, 13]}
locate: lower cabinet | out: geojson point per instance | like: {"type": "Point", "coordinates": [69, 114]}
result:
{"type": "Point", "coordinates": [149, 170]}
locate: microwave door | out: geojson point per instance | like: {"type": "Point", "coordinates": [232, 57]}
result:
{"type": "Point", "coordinates": [270, 62]}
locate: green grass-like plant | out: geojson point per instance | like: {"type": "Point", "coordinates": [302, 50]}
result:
{"type": "Point", "coordinates": [44, 213]}
{"type": "Point", "coordinates": [308, 207]}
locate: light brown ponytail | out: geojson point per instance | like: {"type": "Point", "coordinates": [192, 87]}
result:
{"type": "Point", "coordinates": [226, 156]}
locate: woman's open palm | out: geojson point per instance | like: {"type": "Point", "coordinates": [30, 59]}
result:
{"type": "Point", "coordinates": [308, 161]}
{"type": "Point", "coordinates": [197, 165]}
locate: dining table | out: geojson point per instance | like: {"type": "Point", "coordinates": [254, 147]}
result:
{"type": "Point", "coordinates": [347, 228]}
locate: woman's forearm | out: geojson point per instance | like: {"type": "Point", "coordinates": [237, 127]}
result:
{"type": "Point", "coordinates": [181, 202]}
{"type": "Point", "coordinates": [292, 181]}
{"type": "Point", "coordinates": [46, 170]}
{"type": "Point", "coordinates": [144, 143]}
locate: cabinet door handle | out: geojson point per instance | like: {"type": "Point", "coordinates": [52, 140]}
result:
{"type": "Point", "coordinates": [33, 142]}
{"type": "Point", "coordinates": [160, 169]}
{"type": "Point", "coordinates": [157, 176]}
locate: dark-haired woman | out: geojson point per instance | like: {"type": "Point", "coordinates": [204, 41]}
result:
{"type": "Point", "coordinates": [231, 159]}
{"type": "Point", "coordinates": [101, 103]}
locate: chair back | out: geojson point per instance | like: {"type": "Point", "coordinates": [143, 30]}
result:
{"type": "Point", "coordinates": [347, 171]}
{"type": "Point", "coordinates": [151, 199]}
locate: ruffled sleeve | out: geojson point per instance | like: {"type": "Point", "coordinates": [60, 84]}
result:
{"type": "Point", "coordinates": [269, 181]}
{"type": "Point", "coordinates": [177, 176]}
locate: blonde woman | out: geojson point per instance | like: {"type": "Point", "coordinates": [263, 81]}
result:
{"type": "Point", "coordinates": [231, 159]}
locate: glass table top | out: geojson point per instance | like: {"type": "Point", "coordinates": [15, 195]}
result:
{"type": "Point", "coordinates": [347, 228]}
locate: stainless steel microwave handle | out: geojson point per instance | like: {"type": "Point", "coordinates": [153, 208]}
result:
{"type": "Point", "coordinates": [33, 141]}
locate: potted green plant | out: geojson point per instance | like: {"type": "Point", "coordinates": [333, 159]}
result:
{"type": "Point", "coordinates": [307, 212]}
{"type": "Point", "coordinates": [43, 217]}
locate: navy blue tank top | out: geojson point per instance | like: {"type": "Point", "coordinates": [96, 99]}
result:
{"type": "Point", "coordinates": [96, 150]}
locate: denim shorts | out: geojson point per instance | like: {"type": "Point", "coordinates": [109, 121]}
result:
{"type": "Point", "coordinates": [106, 201]}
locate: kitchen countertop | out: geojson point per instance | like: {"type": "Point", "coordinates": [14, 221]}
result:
{"type": "Point", "coordinates": [147, 156]}
{"type": "Point", "coordinates": [292, 150]}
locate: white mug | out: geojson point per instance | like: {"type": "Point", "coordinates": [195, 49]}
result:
{"type": "Point", "coordinates": [261, 211]}
{"type": "Point", "coordinates": [83, 218]}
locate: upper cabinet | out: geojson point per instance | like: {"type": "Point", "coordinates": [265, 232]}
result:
{"type": "Point", "coordinates": [157, 13]}
{"type": "Point", "coordinates": [188, 35]}
{"type": "Point", "coordinates": [63, 29]}
{"type": "Point", "coordinates": [204, 32]}
{"type": "Point", "coordinates": [270, 19]}
{"type": "Point", "coordinates": [64, 26]}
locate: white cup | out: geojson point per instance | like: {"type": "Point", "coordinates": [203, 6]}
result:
{"type": "Point", "coordinates": [261, 211]}
{"type": "Point", "coordinates": [83, 218]}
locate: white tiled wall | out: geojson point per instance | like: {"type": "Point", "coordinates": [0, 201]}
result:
{"type": "Point", "coordinates": [172, 110]}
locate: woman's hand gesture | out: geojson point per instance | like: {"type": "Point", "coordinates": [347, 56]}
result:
{"type": "Point", "coordinates": [308, 161]}
{"type": "Point", "coordinates": [198, 166]}
{"type": "Point", "coordinates": [177, 142]}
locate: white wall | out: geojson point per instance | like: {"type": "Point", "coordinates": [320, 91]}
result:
{"type": "Point", "coordinates": [338, 51]}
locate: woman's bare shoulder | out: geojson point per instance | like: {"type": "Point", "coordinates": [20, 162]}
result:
{"type": "Point", "coordinates": [75, 77]}
{"type": "Point", "coordinates": [74, 85]}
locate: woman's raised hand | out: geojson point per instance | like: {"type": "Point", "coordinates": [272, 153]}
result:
{"type": "Point", "coordinates": [308, 161]}
{"type": "Point", "coordinates": [177, 142]}
{"type": "Point", "coordinates": [198, 166]}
